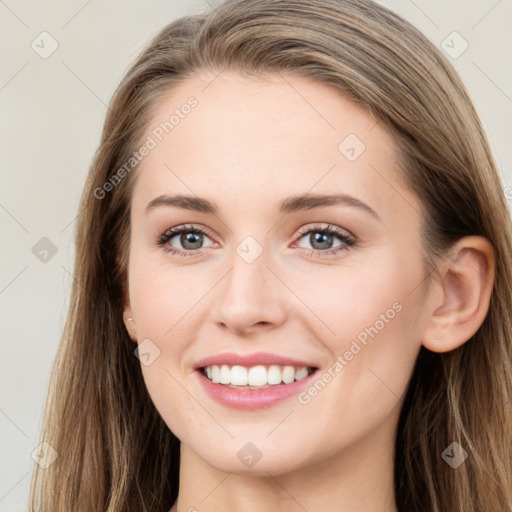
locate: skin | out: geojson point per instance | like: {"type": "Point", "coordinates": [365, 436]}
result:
{"type": "Point", "coordinates": [249, 144]}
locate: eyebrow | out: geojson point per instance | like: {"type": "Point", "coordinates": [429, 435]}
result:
{"type": "Point", "coordinates": [292, 204]}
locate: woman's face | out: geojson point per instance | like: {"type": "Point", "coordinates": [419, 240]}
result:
{"type": "Point", "coordinates": [267, 279]}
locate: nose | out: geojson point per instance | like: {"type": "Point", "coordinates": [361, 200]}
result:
{"type": "Point", "coordinates": [250, 297]}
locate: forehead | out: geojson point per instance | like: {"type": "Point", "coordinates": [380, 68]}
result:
{"type": "Point", "coordinates": [255, 138]}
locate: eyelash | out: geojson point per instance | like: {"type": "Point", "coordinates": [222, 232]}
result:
{"type": "Point", "coordinates": [348, 240]}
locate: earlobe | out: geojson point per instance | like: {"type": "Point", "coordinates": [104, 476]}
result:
{"type": "Point", "coordinates": [128, 315]}
{"type": "Point", "coordinates": [462, 297]}
{"type": "Point", "coordinates": [129, 323]}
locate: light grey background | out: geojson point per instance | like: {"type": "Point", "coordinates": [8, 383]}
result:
{"type": "Point", "coordinates": [52, 110]}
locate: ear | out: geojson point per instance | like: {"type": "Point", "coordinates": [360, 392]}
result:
{"type": "Point", "coordinates": [128, 316]}
{"type": "Point", "coordinates": [462, 293]}
{"type": "Point", "coordinates": [128, 321]}
{"type": "Point", "coordinates": [127, 309]}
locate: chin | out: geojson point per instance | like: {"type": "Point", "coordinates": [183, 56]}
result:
{"type": "Point", "coordinates": [249, 460]}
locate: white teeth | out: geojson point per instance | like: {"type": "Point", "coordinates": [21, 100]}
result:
{"type": "Point", "coordinates": [225, 374]}
{"type": "Point", "coordinates": [255, 376]}
{"type": "Point", "coordinates": [288, 374]}
{"type": "Point", "coordinates": [239, 376]}
{"type": "Point", "coordinates": [274, 375]}
{"type": "Point", "coordinates": [301, 373]}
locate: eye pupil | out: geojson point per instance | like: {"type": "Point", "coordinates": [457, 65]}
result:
{"type": "Point", "coordinates": [324, 239]}
{"type": "Point", "coordinates": [192, 237]}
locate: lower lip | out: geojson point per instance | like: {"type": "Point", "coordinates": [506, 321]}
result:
{"type": "Point", "coordinates": [250, 399]}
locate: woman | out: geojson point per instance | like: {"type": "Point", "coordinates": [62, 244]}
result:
{"type": "Point", "coordinates": [368, 370]}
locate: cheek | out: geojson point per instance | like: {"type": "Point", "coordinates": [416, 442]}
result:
{"type": "Point", "coordinates": [161, 301]}
{"type": "Point", "coordinates": [161, 296]}
{"type": "Point", "coordinates": [367, 318]}
{"type": "Point", "coordinates": [345, 301]}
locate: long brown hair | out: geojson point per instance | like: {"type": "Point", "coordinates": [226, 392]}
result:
{"type": "Point", "coordinates": [115, 453]}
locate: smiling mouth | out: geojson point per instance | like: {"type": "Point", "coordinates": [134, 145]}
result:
{"type": "Point", "coordinates": [255, 377]}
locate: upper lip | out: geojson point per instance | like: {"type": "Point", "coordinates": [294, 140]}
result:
{"type": "Point", "coordinates": [253, 359]}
